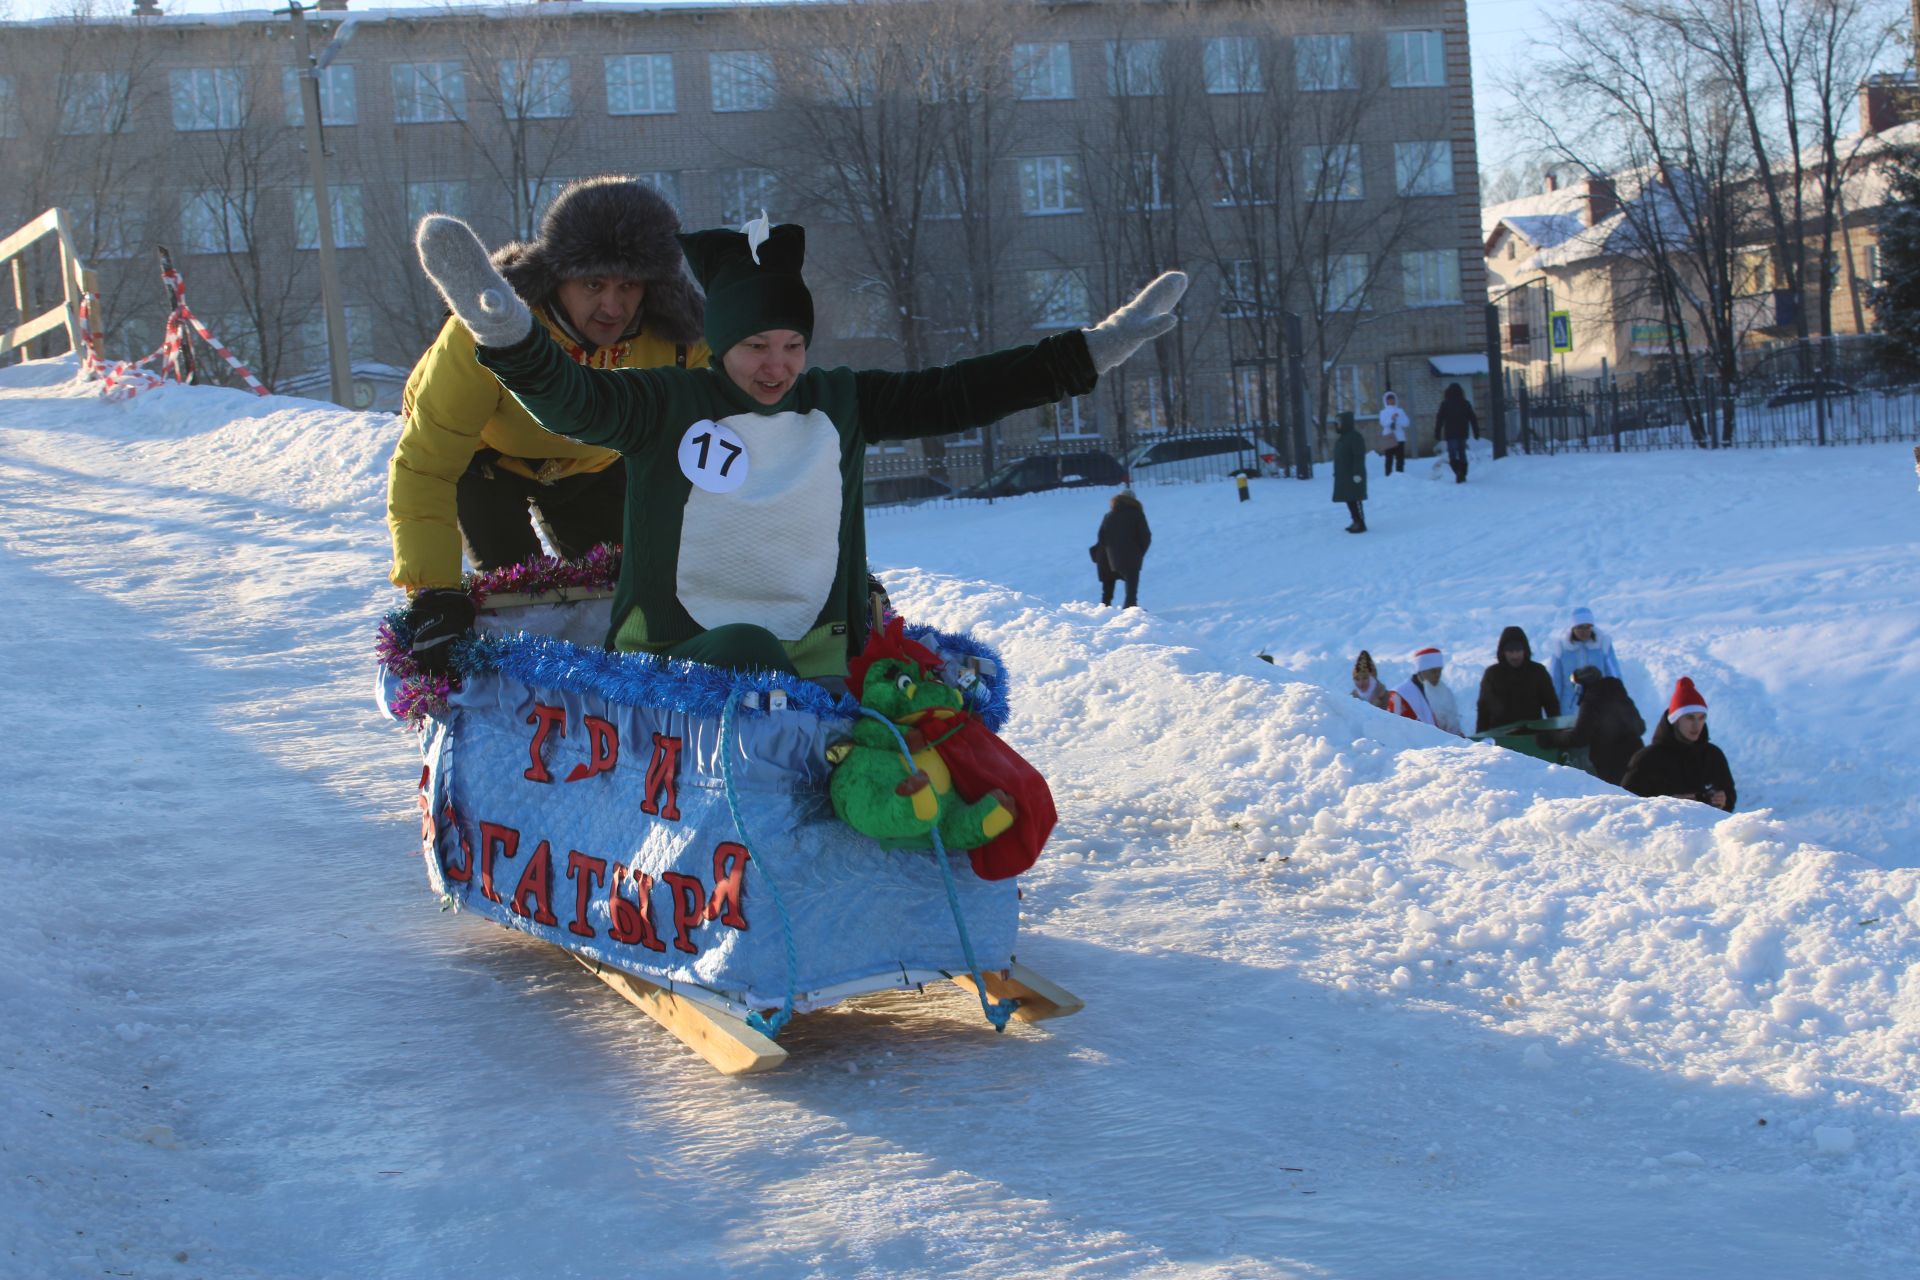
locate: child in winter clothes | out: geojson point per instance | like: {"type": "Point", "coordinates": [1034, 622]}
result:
{"type": "Point", "coordinates": [745, 537]}
{"type": "Point", "coordinates": [1121, 547]}
{"type": "Point", "coordinates": [1393, 434]}
{"type": "Point", "coordinates": [1680, 761]}
{"type": "Point", "coordinates": [1515, 687]}
{"type": "Point", "coordinates": [1584, 645]}
{"type": "Point", "coordinates": [1366, 682]}
{"type": "Point", "coordinates": [1609, 726]}
{"type": "Point", "coordinates": [1424, 696]}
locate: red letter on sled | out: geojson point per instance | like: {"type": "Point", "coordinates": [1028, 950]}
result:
{"type": "Point", "coordinates": [545, 718]}
{"type": "Point", "coordinates": [536, 882]}
{"type": "Point", "coordinates": [663, 774]}
{"type": "Point", "coordinates": [595, 870]}
{"type": "Point", "coordinates": [495, 838]}
{"type": "Point", "coordinates": [604, 752]}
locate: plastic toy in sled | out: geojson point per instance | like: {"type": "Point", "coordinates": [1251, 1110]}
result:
{"type": "Point", "coordinates": [671, 824]}
{"type": "Point", "coordinates": [1524, 736]}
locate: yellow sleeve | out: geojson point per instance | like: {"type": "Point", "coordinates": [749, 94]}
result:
{"type": "Point", "coordinates": [448, 400]}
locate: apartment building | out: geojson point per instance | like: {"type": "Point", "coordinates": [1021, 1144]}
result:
{"type": "Point", "coordinates": [972, 174]}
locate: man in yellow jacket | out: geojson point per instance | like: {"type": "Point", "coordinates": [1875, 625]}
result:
{"type": "Point", "coordinates": [472, 469]}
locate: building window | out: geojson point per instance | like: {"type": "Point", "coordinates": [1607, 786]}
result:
{"type": "Point", "coordinates": [1352, 389]}
{"type": "Point", "coordinates": [1423, 168]}
{"type": "Point", "coordinates": [205, 98]}
{"type": "Point", "coordinates": [742, 81]}
{"type": "Point", "coordinates": [640, 84]}
{"type": "Point", "coordinates": [349, 218]}
{"type": "Point", "coordinates": [108, 228]}
{"type": "Point", "coordinates": [9, 123]}
{"type": "Point", "coordinates": [1241, 177]}
{"type": "Point", "coordinates": [428, 92]}
{"type": "Point", "coordinates": [424, 198]}
{"type": "Point", "coordinates": [665, 181]}
{"type": "Point", "coordinates": [745, 194]}
{"type": "Point", "coordinates": [337, 96]}
{"type": "Point", "coordinates": [215, 221]}
{"type": "Point", "coordinates": [945, 193]}
{"type": "Point", "coordinates": [1133, 68]}
{"type": "Point", "coordinates": [1256, 395]}
{"type": "Point", "coordinates": [1343, 280]}
{"type": "Point", "coordinates": [1147, 190]}
{"type": "Point", "coordinates": [312, 337]}
{"type": "Point", "coordinates": [237, 330]}
{"type": "Point", "coordinates": [1042, 71]}
{"type": "Point", "coordinates": [1057, 298]}
{"type": "Point", "coordinates": [1431, 278]}
{"type": "Point", "coordinates": [1873, 265]}
{"type": "Point", "coordinates": [93, 102]}
{"type": "Point", "coordinates": [1416, 59]}
{"type": "Point", "coordinates": [1324, 62]}
{"type": "Point", "coordinates": [1248, 292]}
{"type": "Point", "coordinates": [1332, 173]}
{"type": "Point", "coordinates": [847, 79]}
{"type": "Point", "coordinates": [1049, 184]}
{"type": "Point", "coordinates": [1232, 65]}
{"type": "Point", "coordinates": [1073, 419]}
{"type": "Point", "coordinates": [536, 88]}
{"type": "Point", "coordinates": [539, 193]}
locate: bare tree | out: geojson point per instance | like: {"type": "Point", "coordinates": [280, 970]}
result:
{"type": "Point", "coordinates": [1301, 225]}
{"type": "Point", "coordinates": [514, 101]}
{"type": "Point", "coordinates": [1632, 105]}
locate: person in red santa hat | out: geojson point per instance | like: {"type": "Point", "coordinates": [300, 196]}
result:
{"type": "Point", "coordinates": [1425, 696]}
{"type": "Point", "coordinates": [1680, 761]}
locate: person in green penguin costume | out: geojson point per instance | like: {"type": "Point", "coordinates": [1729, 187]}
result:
{"type": "Point", "coordinates": [745, 531]}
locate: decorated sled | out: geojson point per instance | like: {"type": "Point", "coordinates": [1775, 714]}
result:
{"type": "Point", "coordinates": [671, 824]}
{"type": "Point", "coordinates": [1524, 736]}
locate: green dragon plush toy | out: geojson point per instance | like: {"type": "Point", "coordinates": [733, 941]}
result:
{"type": "Point", "coordinates": [874, 790]}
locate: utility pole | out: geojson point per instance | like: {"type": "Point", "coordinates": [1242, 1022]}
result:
{"type": "Point", "coordinates": [338, 363]}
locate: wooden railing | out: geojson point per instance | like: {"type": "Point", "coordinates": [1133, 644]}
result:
{"type": "Point", "coordinates": [75, 280]}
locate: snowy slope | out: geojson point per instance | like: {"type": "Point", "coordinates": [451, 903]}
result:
{"type": "Point", "coordinates": [1362, 1001]}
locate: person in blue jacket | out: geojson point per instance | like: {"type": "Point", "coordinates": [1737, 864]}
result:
{"type": "Point", "coordinates": [1582, 645]}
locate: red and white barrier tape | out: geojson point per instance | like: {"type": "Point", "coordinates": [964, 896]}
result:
{"type": "Point", "coordinates": [123, 379]}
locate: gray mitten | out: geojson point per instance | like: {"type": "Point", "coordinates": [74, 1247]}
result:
{"type": "Point", "coordinates": [456, 262]}
{"type": "Point", "coordinates": [1149, 315]}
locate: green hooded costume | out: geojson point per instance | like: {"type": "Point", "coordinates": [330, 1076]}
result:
{"type": "Point", "coordinates": [743, 515]}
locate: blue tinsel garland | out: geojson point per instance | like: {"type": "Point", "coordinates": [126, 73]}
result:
{"type": "Point", "coordinates": [649, 680]}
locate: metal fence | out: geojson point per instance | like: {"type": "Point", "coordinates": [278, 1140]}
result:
{"type": "Point", "coordinates": [1823, 393]}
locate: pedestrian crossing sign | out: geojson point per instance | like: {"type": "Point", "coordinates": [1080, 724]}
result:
{"type": "Point", "coordinates": [1560, 329]}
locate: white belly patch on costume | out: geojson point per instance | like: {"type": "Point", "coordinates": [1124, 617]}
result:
{"type": "Point", "coordinates": [767, 552]}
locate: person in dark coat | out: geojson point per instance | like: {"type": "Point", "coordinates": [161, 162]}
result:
{"type": "Point", "coordinates": [1609, 726]}
{"type": "Point", "coordinates": [1350, 472]}
{"type": "Point", "coordinates": [1680, 761]}
{"type": "Point", "coordinates": [1453, 423]}
{"type": "Point", "coordinates": [1515, 687]}
{"type": "Point", "coordinates": [1121, 547]}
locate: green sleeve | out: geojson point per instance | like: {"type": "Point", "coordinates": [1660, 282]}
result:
{"type": "Point", "coordinates": [973, 392]}
{"type": "Point", "coordinates": [612, 408]}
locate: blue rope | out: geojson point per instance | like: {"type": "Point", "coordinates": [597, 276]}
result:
{"type": "Point", "coordinates": [997, 1011]}
{"type": "Point", "coordinates": [768, 1027]}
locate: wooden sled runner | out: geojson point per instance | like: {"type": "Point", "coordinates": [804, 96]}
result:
{"type": "Point", "coordinates": [668, 826]}
{"type": "Point", "coordinates": [702, 1020]}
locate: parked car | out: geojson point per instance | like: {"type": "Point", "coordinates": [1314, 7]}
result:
{"type": "Point", "coordinates": [1038, 471]}
{"type": "Point", "coordinates": [905, 491]}
{"type": "Point", "coordinates": [1807, 390]}
{"type": "Point", "coordinates": [1221, 453]}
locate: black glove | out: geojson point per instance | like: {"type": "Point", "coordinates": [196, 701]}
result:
{"type": "Point", "coordinates": [437, 617]}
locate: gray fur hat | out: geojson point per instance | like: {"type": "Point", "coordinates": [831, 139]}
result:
{"type": "Point", "coordinates": [610, 226]}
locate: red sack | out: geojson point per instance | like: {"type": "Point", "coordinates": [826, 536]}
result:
{"type": "Point", "coordinates": [979, 762]}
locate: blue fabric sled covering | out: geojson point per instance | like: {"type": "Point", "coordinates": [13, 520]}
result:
{"type": "Point", "coordinates": [579, 795]}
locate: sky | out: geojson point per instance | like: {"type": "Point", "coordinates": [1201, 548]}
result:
{"type": "Point", "coordinates": [1499, 30]}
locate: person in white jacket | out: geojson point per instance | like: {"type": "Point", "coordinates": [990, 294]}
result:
{"type": "Point", "coordinates": [1425, 696]}
{"type": "Point", "coordinates": [1582, 645]}
{"type": "Point", "coordinates": [1393, 433]}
